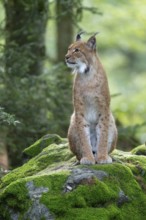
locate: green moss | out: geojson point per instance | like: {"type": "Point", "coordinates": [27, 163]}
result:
{"type": "Point", "coordinates": [104, 192]}
{"type": "Point", "coordinates": [122, 177]}
{"type": "Point", "coordinates": [40, 144]}
{"type": "Point", "coordinates": [92, 213]}
{"type": "Point", "coordinates": [96, 201]}
{"type": "Point", "coordinates": [100, 200]}
{"type": "Point", "coordinates": [14, 197]}
{"type": "Point", "coordinates": [140, 150]}
{"type": "Point", "coordinates": [84, 198]}
{"type": "Point", "coordinates": [137, 163]}
{"type": "Point", "coordinates": [63, 204]}
{"type": "Point", "coordinates": [54, 182]}
{"type": "Point", "coordinates": [74, 205]}
{"type": "Point", "coordinates": [51, 155]}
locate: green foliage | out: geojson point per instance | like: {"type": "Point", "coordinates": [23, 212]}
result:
{"type": "Point", "coordinates": [127, 135]}
{"type": "Point", "coordinates": [26, 100]}
{"type": "Point", "coordinates": [6, 118]}
{"type": "Point", "coordinates": [59, 99]}
{"type": "Point", "coordinates": [22, 87]}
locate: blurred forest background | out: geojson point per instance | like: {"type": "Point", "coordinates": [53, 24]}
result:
{"type": "Point", "coordinates": [35, 84]}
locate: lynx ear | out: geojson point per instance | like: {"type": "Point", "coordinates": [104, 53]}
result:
{"type": "Point", "coordinates": [78, 37]}
{"type": "Point", "coordinates": [92, 42]}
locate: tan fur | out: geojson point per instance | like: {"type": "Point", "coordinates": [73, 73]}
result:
{"type": "Point", "coordinates": [92, 133]}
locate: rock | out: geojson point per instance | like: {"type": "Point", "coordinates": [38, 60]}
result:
{"type": "Point", "coordinates": [122, 198]}
{"type": "Point", "coordinates": [83, 176]}
{"type": "Point", "coordinates": [35, 192]}
{"type": "Point", "coordinates": [50, 186]}
{"type": "Point", "coordinates": [37, 210]}
{"type": "Point", "coordinates": [39, 145]}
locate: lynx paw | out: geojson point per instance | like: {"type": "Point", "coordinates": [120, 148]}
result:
{"type": "Point", "coordinates": [88, 161]}
{"type": "Point", "coordinates": [102, 160]}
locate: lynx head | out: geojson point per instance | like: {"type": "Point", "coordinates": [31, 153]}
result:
{"type": "Point", "coordinates": [80, 54]}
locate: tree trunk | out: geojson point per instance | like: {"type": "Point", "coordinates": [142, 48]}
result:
{"type": "Point", "coordinates": [64, 27]}
{"type": "Point", "coordinates": [24, 54]}
{"type": "Point", "coordinates": [4, 164]}
{"type": "Point", "coordinates": [25, 29]}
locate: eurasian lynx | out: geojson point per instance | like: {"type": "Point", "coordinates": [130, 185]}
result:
{"type": "Point", "coordinates": [92, 133]}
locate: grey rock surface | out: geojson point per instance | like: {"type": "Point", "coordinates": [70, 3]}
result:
{"type": "Point", "coordinates": [83, 176]}
{"type": "Point", "coordinates": [37, 211]}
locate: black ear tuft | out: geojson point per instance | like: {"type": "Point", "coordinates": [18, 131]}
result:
{"type": "Point", "coordinates": [92, 42]}
{"type": "Point", "coordinates": [78, 37]}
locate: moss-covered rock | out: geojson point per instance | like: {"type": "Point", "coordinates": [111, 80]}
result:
{"type": "Point", "coordinates": [140, 150]}
{"type": "Point", "coordinates": [43, 142]}
{"type": "Point", "coordinates": [51, 186]}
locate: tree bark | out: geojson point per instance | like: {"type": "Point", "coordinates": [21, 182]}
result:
{"type": "Point", "coordinates": [4, 163]}
{"type": "Point", "coordinates": [25, 30]}
{"type": "Point", "coordinates": [24, 55]}
{"type": "Point", "coordinates": [64, 27]}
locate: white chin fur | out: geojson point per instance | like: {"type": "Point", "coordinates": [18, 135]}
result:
{"type": "Point", "coordinates": [80, 67]}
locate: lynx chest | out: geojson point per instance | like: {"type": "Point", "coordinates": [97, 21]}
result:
{"type": "Point", "coordinates": [91, 108]}
{"type": "Point", "coordinates": [87, 91]}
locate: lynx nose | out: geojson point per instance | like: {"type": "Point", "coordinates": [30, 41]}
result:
{"type": "Point", "coordinates": [66, 56]}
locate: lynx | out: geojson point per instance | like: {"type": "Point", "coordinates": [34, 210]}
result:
{"type": "Point", "coordinates": [92, 132]}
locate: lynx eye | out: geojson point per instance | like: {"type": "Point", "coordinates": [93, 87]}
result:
{"type": "Point", "coordinates": [76, 50]}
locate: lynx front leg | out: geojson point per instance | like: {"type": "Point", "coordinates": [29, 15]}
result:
{"type": "Point", "coordinates": [74, 142]}
{"type": "Point", "coordinates": [87, 155]}
{"type": "Point", "coordinates": [79, 141]}
{"type": "Point", "coordinates": [83, 131]}
{"type": "Point", "coordinates": [102, 140]}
